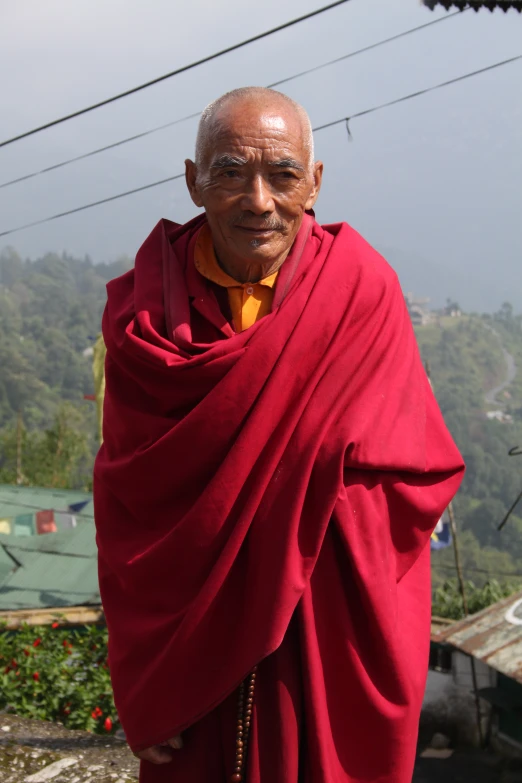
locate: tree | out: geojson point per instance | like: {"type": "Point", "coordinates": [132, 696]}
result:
{"type": "Point", "coordinates": [57, 457]}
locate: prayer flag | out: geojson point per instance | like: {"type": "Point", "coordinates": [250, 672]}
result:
{"type": "Point", "coordinates": [64, 520]}
{"type": "Point", "coordinates": [441, 536]}
{"type": "Point", "coordinates": [5, 526]}
{"type": "Point", "coordinates": [24, 525]}
{"type": "Point", "coordinates": [45, 522]}
{"type": "Point", "coordinates": [75, 508]}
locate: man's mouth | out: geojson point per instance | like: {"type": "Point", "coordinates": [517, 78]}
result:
{"type": "Point", "coordinates": [257, 231]}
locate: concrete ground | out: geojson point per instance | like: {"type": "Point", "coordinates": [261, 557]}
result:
{"type": "Point", "coordinates": [36, 752]}
{"type": "Point", "coordinates": [468, 767]}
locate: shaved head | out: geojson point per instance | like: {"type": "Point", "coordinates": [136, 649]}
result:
{"type": "Point", "coordinates": [214, 116]}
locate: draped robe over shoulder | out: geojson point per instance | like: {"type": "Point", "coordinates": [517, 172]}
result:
{"type": "Point", "coordinates": [267, 498]}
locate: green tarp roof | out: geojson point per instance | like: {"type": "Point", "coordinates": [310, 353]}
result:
{"type": "Point", "coordinates": [51, 570]}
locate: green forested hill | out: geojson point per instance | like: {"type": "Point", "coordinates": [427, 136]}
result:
{"type": "Point", "coordinates": [466, 361]}
{"type": "Point", "coordinates": [50, 311]}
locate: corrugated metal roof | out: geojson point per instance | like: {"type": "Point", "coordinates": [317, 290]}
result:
{"type": "Point", "coordinates": [493, 636]}
{"type": "Point", "coordinates": [476, 4]}
{"type": "Point", "coordinates": [15, 500]}
{"type": "Point", "coordinates": [52, 570]}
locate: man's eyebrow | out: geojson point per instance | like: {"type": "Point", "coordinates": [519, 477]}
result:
{"type": "Point", "coordinates": [224, 161]}
{"type": "Point", "coordinates": [288, 163]}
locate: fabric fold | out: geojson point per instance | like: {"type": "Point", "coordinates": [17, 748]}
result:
{"type": "Point", "coordinates": [229, 470]}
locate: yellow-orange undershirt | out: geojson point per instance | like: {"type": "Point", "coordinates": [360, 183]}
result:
{"type": "Point", "coordinates": [248, 301]}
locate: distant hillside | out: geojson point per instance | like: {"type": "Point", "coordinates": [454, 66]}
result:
{"type": "Point", "coordinates": [438, 279]}
{"type": "Point", "coordinates": [466, 361]}
{"type": "Point", "coordinates": [50, 311]}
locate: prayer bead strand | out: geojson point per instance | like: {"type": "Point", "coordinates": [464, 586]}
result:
{"type": "Point", "coordinates": [244, 720]}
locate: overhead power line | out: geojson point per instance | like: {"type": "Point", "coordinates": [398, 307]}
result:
{"type": "Point", "coordinates": [93, 204]}
{"type": "Point", "coordinates": [170, 124]}
{"type": "Point", "coordinates": [176, 72]}
{"type": "Point", "coordinates": [420, 92]}
{"type": "Point", "coordinates": [345, 120]}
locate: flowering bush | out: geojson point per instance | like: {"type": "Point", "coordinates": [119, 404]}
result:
{"type": "Point", "coordinates": [58, 674]}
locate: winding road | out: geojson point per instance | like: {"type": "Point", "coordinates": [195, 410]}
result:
{"type": "Point", "coordinates": [492, 394]}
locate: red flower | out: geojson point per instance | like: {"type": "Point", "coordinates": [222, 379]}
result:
{"type": "Point", "coordinates": [37, 642]}
{"type": "Point", "coordinates": [65, 643]}
{"type": "Point", "coordinates": [96, 713]}
{"type": "Point", "coordinates": [55, 625]}
{"type": "Point", "coordinates": [7, 670]}
{"type": "Point", "coordinates": [26, 652]}
{"type": "Point", "coordinates": [14, 664]}
{"type": "Point", "coordinates": [66, 711]}
{"type": "Point", "coordinates": [108, 724]}
{"type": "Point", "coordinates": [36, 676]}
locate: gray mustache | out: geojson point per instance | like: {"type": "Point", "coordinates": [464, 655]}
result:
{"type": "Point", "coordinates": [270, 225]}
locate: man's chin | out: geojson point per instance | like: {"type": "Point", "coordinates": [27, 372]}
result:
{"type": "Point", "coordinates": [259, 249]}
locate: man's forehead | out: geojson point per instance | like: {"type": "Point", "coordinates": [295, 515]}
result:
{"type": "Point", "coordinates": [251, 121]}
{"type": "Point", "coordinates": [270, 141]}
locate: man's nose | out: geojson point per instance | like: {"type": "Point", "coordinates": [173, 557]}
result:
{"type": "Point", "coordinates": [257, 197]}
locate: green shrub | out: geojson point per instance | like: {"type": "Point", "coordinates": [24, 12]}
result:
{"type": "Point", "coordinates": [58, 674]}
{"type": "Point", "coordinates": [447, 600]}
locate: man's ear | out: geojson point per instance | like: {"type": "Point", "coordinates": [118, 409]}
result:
{"type": "Point", "coordinates": [191, 172]}
{"type": "Point", "coordinates": [318, 178]}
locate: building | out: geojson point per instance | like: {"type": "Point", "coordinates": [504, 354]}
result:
{"type": "Point", "coordinates": [493, 640]}
{"type": "Point", "coordinates": [418, 309]}
{"type": "Point", "coordinates": [52, 571]}
{"type": "Point", "coordinates": [504, 418]}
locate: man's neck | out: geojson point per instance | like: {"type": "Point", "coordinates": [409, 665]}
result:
{"type": "Point", "coordinates": [250, 273]}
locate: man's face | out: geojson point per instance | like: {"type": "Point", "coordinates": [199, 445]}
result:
{"type": "Point", "coordinates": [255, 182]}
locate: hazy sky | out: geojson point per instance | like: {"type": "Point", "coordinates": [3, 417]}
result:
{"type": "Point", "coordinates": [434, 183]}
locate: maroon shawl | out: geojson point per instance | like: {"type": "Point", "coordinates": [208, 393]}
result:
{"type": "Point", "coordinates": [231, 469]}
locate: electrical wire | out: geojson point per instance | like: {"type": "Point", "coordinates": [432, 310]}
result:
{"type": "Point", "coordinates": [176, 72]}
{"type": "Point", "coordinates": [170, 124]}
{"type": "Point", "coordinates": [421, 92]}
{"type": "Point", "coordinates": [92, 204]}
{"type": "Point", "coordinates": [345, 120]}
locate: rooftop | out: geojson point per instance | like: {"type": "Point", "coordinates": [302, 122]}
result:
{"type": "Point", "coordinates": [493, 636]}
{"type": "Point", "coordinates": [53, 570]}
{"type": "Point", "coordinates": [505, 5]}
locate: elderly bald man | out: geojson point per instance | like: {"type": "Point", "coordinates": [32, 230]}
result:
{"type": "Point", "coordinates": [272, 468]}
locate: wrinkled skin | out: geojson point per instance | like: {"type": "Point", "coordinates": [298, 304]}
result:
{"type": "Point", "coordinates": [255, 182]}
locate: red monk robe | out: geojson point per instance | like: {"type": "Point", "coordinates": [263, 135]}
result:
{"type": "Point", "coordinates": [267, 498]}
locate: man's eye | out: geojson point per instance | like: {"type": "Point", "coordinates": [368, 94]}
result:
{"type": "Point", "coordinates": [287, 175]}
{"type": "Point", "coordinates": [230, 173]}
